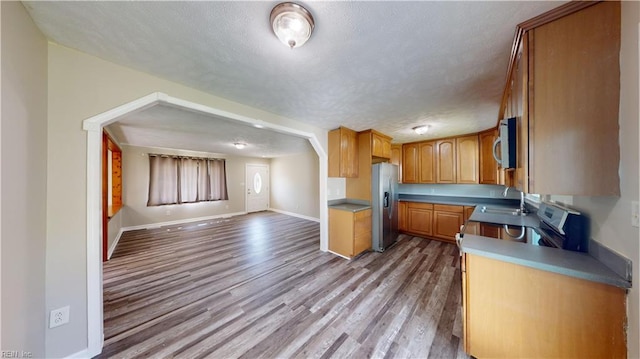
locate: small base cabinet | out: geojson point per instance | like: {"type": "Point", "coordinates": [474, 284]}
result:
{"type": "Point", "coordinates": [513, 311]}
{"type": "Point", "coordinates": [349, 232]}
{"type": "Point", "coordinates": [437, 221]}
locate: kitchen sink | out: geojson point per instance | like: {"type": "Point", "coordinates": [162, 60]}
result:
{"type": "Point", "coordinates": [501, 210]}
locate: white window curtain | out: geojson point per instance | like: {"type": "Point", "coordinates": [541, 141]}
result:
{"type": "Point", "coordinates": [174, 180]}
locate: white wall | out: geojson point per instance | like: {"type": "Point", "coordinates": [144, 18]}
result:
{"type": "Point", "coordinates": [611, 216]}
{"type": "Point", "coordinates": [82, 86]}
{"type": "Point", "coordinates": [23, 150]}
{"type": "Point", "coordinates": [295, 184]}
{"type": "Point", "coordinates": [135, 176]}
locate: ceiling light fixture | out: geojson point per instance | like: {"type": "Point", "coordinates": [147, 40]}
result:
{"type": "Point", "coordinates": [240, 145]}
{"type": "Point", "coordinates": [421, 130]}
{"type": "Point", "coordinates": [292, 24]}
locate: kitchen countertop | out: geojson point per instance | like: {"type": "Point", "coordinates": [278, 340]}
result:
{"type": "Point", "coordinates": [460, 201]}
{"type": "Point", "coordinates": [349, 205]}
{"type": "Point", "coordinates": [573, 264]}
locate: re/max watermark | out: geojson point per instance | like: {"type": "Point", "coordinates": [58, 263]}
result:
{"type": "Point", "coordinates": [15, 354]}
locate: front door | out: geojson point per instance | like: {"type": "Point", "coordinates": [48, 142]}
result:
{"type": "Point", "coordinates": [257, 184]}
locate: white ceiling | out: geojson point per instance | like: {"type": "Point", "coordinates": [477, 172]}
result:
{"type": "Point", "coordinates": [383, 65]}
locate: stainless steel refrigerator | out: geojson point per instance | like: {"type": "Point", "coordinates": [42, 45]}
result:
{"type": "Point", "coordinates": [384, 204]}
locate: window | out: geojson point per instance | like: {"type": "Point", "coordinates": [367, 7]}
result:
{"type": "Point", "coordinates": [174, 180]}
{"type": "Point", "coordinates": [111, 176]}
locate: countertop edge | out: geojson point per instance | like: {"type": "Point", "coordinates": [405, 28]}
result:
{"type": "Point", "coordinates": [605, 278]}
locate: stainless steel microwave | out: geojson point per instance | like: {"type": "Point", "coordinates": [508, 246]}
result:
{"type": "Point", "coordinates": [507, 142]}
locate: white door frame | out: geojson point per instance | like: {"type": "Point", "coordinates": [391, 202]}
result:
{"type": "Point", "coordinates": [94, 126]}
{"type": "Point", "coordinates": [246, 195]}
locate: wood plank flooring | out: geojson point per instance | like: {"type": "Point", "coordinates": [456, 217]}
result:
{"type": "Point", "coordinates": [257, 286]}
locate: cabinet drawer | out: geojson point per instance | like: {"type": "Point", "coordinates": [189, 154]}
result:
{"type": "Point", "coordinates": [419, 205]}
{"type": "Point", "coordinates": [448, 208]}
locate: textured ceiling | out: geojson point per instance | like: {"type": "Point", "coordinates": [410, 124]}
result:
{"type": "Point", "coordinates": [383, 65]}
{"type": "Point", "coordinates": [170, 127]}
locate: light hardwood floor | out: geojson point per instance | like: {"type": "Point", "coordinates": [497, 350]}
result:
{"type": "Point", "coordinates": [257, 286]}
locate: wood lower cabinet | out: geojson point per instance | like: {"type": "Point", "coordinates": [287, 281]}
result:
{"type": "Point", "coordinates": [419, 218]}
{"type": "Point", "coordinates": [470, 227]}
{"type": "Point", "coordinates": [343, 153]}
{"type": "Point", "coordinates": [402, 216]}
{"type": "Point", "coordinates": [349, 232]}
{"type": "Point", "coordinates": [447, 220]}
{"type": "Point", "coordinates": [513, 311]}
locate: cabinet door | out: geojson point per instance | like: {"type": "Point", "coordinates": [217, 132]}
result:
{"type": "Point", "coordinates": [446, 161]}
{"type": "Point", "coordinates": [419, 218]}
{"type": "Point", "coordinates": [349, 155]}
{"type": "Point", "coordinates": [427, 162]}
{"type": "Point", "coordinates": [396, 159]}
{"type": "Point", "coordinates": [470, 227]}
{"type": "Point", "coordinates": [410, 163]}
{"type": "Point", "coordinates": [402, 216]}
{"type": "Point", "coordinates": [380, 146]}
{"type": "Point", "coordinates": [488, 164]}
{"type": "Point", "coordinates": [362, 231]}
{"type": "Point", "coordinates": [490, 230]}
{"type": "Point", "coordinates": [341, 232]}
{"type": "Point", "coordinates": [467, 159]}
{"type": "Point", "coordinates": [447, 221]}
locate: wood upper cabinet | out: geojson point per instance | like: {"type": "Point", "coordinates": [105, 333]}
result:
{"type": "Point", "coordinates": [343, 153]}
{"type": "Point", "coordinates": [564, 90]}
{"type": "Point", "coordinates": [427, 162]}
{"type": "Point", "coordinates": [447, 220]}
{"type": "Point", "coordinates": [380, 145]}
{"type": "Point", "coordinates": [349, 232]}
{"type": "Point", "coordinates": [508, 309]}
{"type": "Point", "coordinates": [467, 169]}
{"type": "Point", "coordinates": [488, 165]}
{"type": "Point", "coordinates": [419, 218]}
{"type": "Point", "coordinates": [396, 159]}
{"type": "Point", "coordinates": [446, 161]}
{"type": "Point", "coordinates": [410, 165]}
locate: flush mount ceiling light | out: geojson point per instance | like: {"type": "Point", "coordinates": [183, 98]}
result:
{"type": "Point", "coordinates": [292, 24]}
{"type": "Point", "coordinates": [421, 130]}
{"type": "Point", "coordinates": [240, 145]}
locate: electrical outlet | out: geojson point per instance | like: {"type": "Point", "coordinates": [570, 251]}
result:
{"type": "Point", "coordinates": [635, 214]}
{"type": "Point", "coordinates": [59, 317]}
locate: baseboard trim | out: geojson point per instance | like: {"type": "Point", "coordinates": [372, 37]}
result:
{"type": "Point", "coordinates": [181, 221]}
{"type": "Point", "coordinates": [295, 215]}
{"type": "Point", "coordinates": [84, 353]}
{"type": "Point", "coordinates": [113, 245]}
{"type": "Point", "coordinates": [338, 254]}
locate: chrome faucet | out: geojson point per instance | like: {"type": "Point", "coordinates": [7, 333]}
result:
{"type": "Point", "coordinates": [523, 210]}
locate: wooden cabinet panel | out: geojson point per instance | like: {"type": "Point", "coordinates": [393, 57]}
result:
{"type": "Point", "coordinates": [343, 153]}
{"type": "Point", "coordinates": [446, 161]}
{"type": "Point", "coordinates": [508, 311]}
{"type": "Point", "coordinates": [402, 216]}
{"type": "Point", "coordinates": [410, 166]}
{"type": "Point", "coordinates": [420, 218]}
{"type": "Point", "coordinates": [362, 231]}
{"type": "Point", "coordinates": [488, 166]}
{"type": "Point", "coordinates": [470, 227]}
{"type": "Point", "coordinates": [447, 223]}
{"type": "Point", "coordinates": [427, 162]}
{"type": "Point", "coordinates": [467, 159]}
{"type": "Point", "coordinates": [349, 232]}
{"type": "Point", "coordinates": [396, 159]}
{"type": "Point", "coordinates": [380, 145]}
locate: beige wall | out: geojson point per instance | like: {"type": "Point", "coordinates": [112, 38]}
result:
{"type": "Point", "coordinates": [113, 228]}
{"type": "Point", "coordinates": [611, 216]}
{"type": "Point", "coordinates": [295, 184]}
{"type": "Point", "coordinates": [23, 149]}
{"type": "Point", "coordinates": [81, 86]}
{"type": "Point", "coordinates": [135, 173]}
